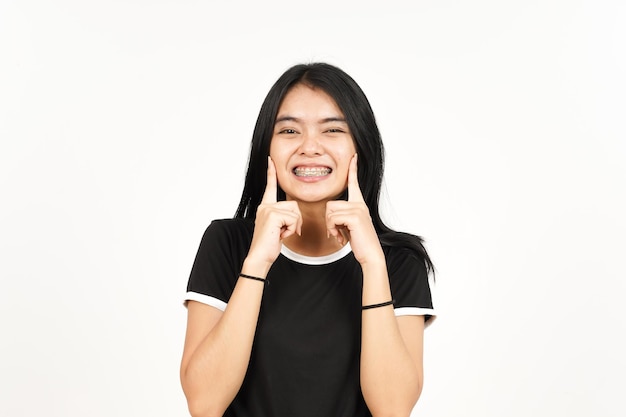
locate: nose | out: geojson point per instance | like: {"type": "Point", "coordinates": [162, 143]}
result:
{"type": "Point", "coordinates": [310, 144]}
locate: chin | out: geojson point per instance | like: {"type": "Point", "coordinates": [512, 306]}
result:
{"type": "Point", "coordinates": [309, 198]}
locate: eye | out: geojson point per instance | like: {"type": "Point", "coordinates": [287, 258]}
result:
{"type": "Point", "coordinates": [335, 130]}
{"type": "Point", "coordinates": [287, 132]}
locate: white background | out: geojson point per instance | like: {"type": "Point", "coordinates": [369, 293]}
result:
{"type": "Point", "coordinates": [124, 129]}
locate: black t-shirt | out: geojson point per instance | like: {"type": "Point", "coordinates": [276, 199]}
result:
{"type": "Point", "coordinates": [306, 350]}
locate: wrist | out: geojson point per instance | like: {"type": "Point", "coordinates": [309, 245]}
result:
{"type": "Point", "coordinates": [375, 266]}
{"type": "Point", "coordinates": [256, 267]}
{"type": "Point", "coordinates": [376, 287]}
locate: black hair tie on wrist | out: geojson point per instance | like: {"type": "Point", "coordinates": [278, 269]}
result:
{"type": "Point", "coordinates": [264, 280]}
{"type": "Point", "coordinates": [386, 303]}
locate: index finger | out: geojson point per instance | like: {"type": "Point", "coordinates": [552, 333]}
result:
{"type": "Point", "coordinates": [269, 196]}
{"type": "Point", "coordinates": [354, 191]}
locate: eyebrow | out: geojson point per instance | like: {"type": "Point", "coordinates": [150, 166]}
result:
{"type": "Point", "coordinates": [297, 120]}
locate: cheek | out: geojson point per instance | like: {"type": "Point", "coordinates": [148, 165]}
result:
{"type": "Point", "coordinates": [350, 150]}
{"type": "Point", "coordinates": [343, 150]}
{"type": "Point", "coordinates": [281, 150]}
{"type": "Point", "coordinates": [281, 176]}
{"type": "Point", "coordinates": [277, 157]}
{"type": "Point", "coordinates": [347, 154]}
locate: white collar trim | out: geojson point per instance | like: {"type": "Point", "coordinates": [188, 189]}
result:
{"type": "Point", "coordinates": [316, 260]}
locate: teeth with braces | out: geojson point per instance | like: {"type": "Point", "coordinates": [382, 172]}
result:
{"type": "Point", "coordinates": [311, 172]}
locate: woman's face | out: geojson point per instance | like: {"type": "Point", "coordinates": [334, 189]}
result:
{"type": "Point", "coordinates": [311, 146]}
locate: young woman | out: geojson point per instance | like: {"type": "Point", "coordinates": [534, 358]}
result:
{"type": "Point", "coordinates": [305, 303]}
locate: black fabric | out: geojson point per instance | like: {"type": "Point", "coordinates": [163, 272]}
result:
{"type": "Point", "coordinates": [306, 351]}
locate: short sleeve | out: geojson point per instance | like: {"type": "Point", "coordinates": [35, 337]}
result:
{"type": "Point", "coordinates": [221, 253]}
{"type": "Point", "coordinates": [409, 282]}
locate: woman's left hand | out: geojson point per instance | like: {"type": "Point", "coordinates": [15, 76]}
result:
{"type": "Point", "coordinates": [351, 220]}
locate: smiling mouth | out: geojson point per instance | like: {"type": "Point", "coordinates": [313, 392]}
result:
{"type": "Point", "coordinates": [311, 171]}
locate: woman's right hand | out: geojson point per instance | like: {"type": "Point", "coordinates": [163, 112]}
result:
{"type": "Point", "coordinates": [275, 220]}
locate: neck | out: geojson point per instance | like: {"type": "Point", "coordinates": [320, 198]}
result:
{"type": "Point", "coordinates": [314, 240]}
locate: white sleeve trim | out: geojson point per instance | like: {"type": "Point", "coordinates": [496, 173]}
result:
{"type": "Point", "coordinates": [416, 311]}
{"type": "Point", "coordinates": [205, 299]}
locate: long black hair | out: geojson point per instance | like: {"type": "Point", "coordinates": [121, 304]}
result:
{"type": "Point", "coordinates": [362, 123]}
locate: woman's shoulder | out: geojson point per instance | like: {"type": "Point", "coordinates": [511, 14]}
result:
{"type": "Point", "coordinates": [396, 254]}
{"type": "Point", "coordinates": [232, 223]}
{"type": "Point", "coordinates": [230, 229]}
{"type": "Point", "coordinates": [405, 248]}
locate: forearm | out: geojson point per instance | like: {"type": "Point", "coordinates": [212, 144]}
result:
{"type": "Point", "coordinates": [390, 379]}
{"type": "Point", "coordinates": [215, 371]}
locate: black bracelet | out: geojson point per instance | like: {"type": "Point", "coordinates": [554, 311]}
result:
{"type": "Point", "coordinates": [254, 278]}
{"type": "Point", "coordinates": [386, 303]}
